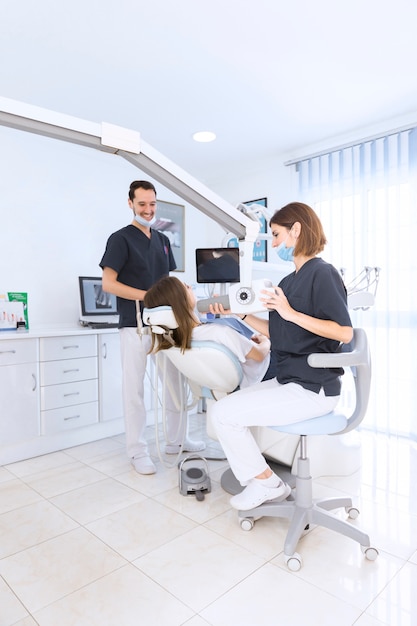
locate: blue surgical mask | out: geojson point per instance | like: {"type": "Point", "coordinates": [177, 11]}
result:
{"type": "Point", "coordinates": [286, 254]}
{"type": "Point", "coordinates": [144, 222]}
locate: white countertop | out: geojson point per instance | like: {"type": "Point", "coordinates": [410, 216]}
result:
{"type": "Point", "coordinates": [54, 331]}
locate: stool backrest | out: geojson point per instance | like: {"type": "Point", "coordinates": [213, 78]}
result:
{"type": "Point", "coordinates": [357, 356]}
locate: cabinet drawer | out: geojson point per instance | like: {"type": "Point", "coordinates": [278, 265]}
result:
{"type": "Point", "coordinates": [57, 348]}
{"type": "Point", "coordinates": [56, 396]}
{"type": "Point", "coordinates": [58, 420]}
{"type": "Point", "coordinates": [67, 371]}
{"type": "Point", "coordinates": [14, 351]}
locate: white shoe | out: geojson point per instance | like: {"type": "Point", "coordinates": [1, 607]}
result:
{"type": "Point", "coordinates": [255, 494]}
{"type": "Point", "coordinates": [143, 465]}
{"type": "Point", "coordinates": [187, 446]}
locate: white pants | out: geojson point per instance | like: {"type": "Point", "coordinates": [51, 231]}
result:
{"type": "Point", "coordinates": [134, 356]}
{"type": "Point", "coordinates": [264, 404]}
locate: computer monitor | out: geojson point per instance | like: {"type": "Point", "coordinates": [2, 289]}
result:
{"type": "Point", "coordinates": [217, 265]}
{"type": "Point", "coordinates": [96, 304]}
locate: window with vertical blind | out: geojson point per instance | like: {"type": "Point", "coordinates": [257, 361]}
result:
{"type": "Point", "coordinates": [365, 195]}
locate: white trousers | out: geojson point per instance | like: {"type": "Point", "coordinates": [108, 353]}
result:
{"type": "Point", "coordinates": [134, 357]}
{"type": "Point", "coordinates": [264, 404]}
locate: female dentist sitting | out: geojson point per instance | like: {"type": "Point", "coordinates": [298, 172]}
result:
{"type": "Point", "coordinates": [308, 313]}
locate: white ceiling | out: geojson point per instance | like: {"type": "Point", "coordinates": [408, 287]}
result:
{"type": "Point", "coordinates": [267, 76]}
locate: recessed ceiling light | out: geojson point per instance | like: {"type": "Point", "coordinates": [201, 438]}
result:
{"type": "Point", "coordinates": [204, 136]}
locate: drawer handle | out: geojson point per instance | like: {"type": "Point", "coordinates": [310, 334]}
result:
{"type": "Point", "coordinates": [75, 393]}
{"type": "Point", "coordinates": [69, 347]}
{"type": "Point", "coordinates": [73, 417]}
{"type": "Point", "coordinates": [7, 351]}
{"type": "Point", "coordinates": [69, 371]}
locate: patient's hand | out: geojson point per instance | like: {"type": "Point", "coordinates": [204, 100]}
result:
{"type": "Point", "coordinates": [261, 340]}
{"type": "Point", "coordinates": [217, 309]}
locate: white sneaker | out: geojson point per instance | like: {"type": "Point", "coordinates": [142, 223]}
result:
{"type": "Point", "coordinates": [187, 446]}
{"type": "Point", "coordinates": [143, 465]}
{"type": "Point", "coordinates": [255, 494]}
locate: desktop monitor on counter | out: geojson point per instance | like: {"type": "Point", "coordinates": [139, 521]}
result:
{"type": "Point", "coordinates": [97, 307]}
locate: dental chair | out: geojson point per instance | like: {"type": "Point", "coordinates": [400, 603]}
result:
{"type": "Point", "coordinates": [208, 370]}
{"type": "Point", "coordinates": [300, 508]}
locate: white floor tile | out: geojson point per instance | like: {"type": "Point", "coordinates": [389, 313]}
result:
{"type": "Point", "coordinates": [57, 567]}
{"type": "Point", "coordinates": [125, 597]}
{"type": "Point", "coordinates": [198, 567]}
{"type": "Point", "coordinates": [367, 620]}
{"type": "Point", "coordinates": [27, 526]}
{"type": "Point", "coordinates": [337, 565]}
{"type": "Point", "coordinates": [396, 605]}
{"type": "Point", "coordinates": [95, 448]}
{"type": "Point", "coordinates": [14, 494]}
{"type": "Point", "coordinates": [140, 528]}
{"type": "Point", "coordinates": [110, 464]}
{"type": "Point", "coordinates": [11, 609]}
{"type": "Point", "coordinates": [163, 480]}
{"type": "Point", "coordinates": [92, 502]}
{"type": "Point", "coordinates": [52, 482]}
{"type": "Point", "coordinates": [39, 464]}
{"type": "Point", "coordinates": [5, 475]}
{"type": "Point", "coordinates": [271, 596]}
{"type": "Point", "coordinates": [266, 539]}
{"type": "Point", "coordinates": [196, 621]}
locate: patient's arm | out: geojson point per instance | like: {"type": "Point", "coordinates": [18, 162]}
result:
{"type": "Point", "coordinates": [260, 349]}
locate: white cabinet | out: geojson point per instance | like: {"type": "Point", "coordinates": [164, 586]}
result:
{"type": "Point", "coordinates": [58, 389]}
{"type": "Point", "coordinates": [68, 382]}
{"type": "Point", "coordinates": [110, 377]}
{"type": "Point", "coordinates": [19, 399]}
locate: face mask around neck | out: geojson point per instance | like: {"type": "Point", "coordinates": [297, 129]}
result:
{"type": "Point", "coordinates": [143, 222]}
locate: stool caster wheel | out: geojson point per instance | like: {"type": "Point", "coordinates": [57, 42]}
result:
{"type": "Point", "coordinates": [247, 523]}
{"type": "Point", "coordinates": [352, 512]}
{"type": "Point", "coordinates": [370, 553]}
{"type": "Point", "coordinates": [293, 562]}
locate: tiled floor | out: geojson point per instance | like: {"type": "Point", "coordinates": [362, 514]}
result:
{"type": "Point", "coordinates": [84, 540]}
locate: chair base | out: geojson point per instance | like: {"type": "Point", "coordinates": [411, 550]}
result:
{"type": "Point", "coordinates": [302, 511]}
{"type": "Point", "coordinates": [300, 517]}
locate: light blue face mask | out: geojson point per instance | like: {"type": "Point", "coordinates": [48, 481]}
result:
{"type": "Point", "coordinates": [144, 222]}
{"type": "Point", "coordinates": [286, 254]}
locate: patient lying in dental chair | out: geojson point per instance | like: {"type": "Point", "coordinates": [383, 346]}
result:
{"type": "Point", "coordinates": [253, 353]}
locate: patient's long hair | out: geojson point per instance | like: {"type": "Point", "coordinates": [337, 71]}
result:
{"type": "Point", "coordinates": [170, 291]}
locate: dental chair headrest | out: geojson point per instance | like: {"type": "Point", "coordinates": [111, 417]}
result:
{"type": "Point", "coordinates": [160, 319]}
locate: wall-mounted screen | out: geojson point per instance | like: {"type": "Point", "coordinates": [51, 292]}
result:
{"type": "Point", "coordinates": [217, 265]}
